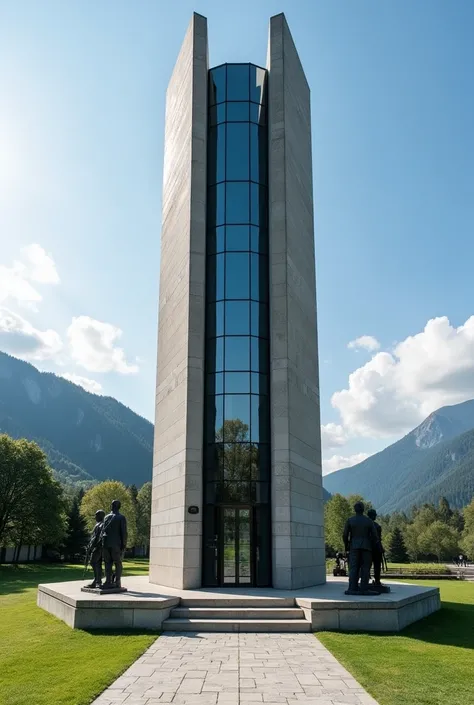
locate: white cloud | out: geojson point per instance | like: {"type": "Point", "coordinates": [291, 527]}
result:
{"type": "Point", "coordinates": [90, 385]}
{"type": "Point", "coordinates": [39, 266]}
{"type": "Point", "coordinates": [18, 337]}
{"type": "Point", "coordinates": [395, 391]}
{"type": "Point", "coordinates": [367, 342]}
{"type": "Point", "coordinates": [15, 281]}
{"type": "Point", "coordinates": [333, 436]}
{"type": "Point", "coordinates": [93, 346]}
{"type": "Point", "coordinates": [336, 462]}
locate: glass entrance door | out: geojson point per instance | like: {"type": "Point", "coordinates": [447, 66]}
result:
{"type": "Point", "coordinates": [236, 546]}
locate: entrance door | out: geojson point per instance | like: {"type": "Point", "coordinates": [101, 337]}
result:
{"type": "Point", "coordinates": [236, 564]}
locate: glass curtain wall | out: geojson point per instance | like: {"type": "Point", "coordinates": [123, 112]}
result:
{"type": "Point", "coordinates": [236, 522]}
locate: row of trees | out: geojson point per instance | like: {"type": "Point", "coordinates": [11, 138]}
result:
{"type": "Point", "coordinates": [36, 510]}
{"type": "Point", "coordinates": [424, 533]}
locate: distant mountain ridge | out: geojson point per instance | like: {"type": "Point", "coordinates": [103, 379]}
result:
{"type": "Point", "coordinates": [87, 437]}
{"type": "Point", "coordinates": [435, 459]}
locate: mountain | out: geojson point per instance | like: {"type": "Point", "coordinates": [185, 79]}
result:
{"type": "Point", "coordinates": [86, 437]}
{"type": "Point", "coordinates": [435, 459]}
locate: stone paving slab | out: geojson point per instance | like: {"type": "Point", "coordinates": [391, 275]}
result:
{"type": "Point", "coordinates": [193, 668]}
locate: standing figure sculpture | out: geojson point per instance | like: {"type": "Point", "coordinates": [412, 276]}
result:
{"type": "Point", "coordinates": [377, 555]}
{"type": "Point", "coordinates": [360, 539]}
{"type": "Point", "coordinates": [94, 550]}
{"type": "Point", "coordinates": [114, 542]}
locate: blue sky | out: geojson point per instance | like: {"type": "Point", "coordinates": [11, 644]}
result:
{"type": "Point", "coordinates": [82, 88]}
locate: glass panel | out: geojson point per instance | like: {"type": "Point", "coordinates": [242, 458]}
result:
{"type": "Point", "coordinates": [258, 240]}
{"type": "Point", "coordinates": [229, 545]}
{"type": "Point", "coordinates": [237, 353]}
{"type": "Point", "coordinates": [259, 277]}
{"type": "Point", "coordinates": [263, 462]}
{"type": "Point", "coordinates": [237, 383]}
{"type": "Point", "coordinates": [219, 239]}
{"type": "Point", "coordinates": [215, 277]}
{"type": "Point", "coordinates": [244, 558]}
{"type": "Point", "coordinates": [257, 82]}
{"type": "Point", "coordinates": [259, 355]}
{"type": "Point", "coordinates": [234, 460]}
{"type": "Point", "coordinates": [258, 114]}
{"type": "Point", "coordinates": [237, 204]}
{"type": "Point", "coordinates": [258, 154]}
{"type": "Point", "coordinates": [215, 383]}
{"type": "Point", "coordinates": [217, 85]}
{"type": "Point", "coordinates": [259, 319]}
{"type": "Point", "coordinates": [215, 417]}
{"type": "Point", "coordinates": [237, 275]}
{"type": "Point", "coordinates": [215, 320]}
{"type": "Point", "coordinates": [237, 237]}
{"type": "Point", "coordinates": [237, 415]}
{"type": "Point", "coordinates": [258, 205]}
{"type": "Point", "coordinates": [237, 151]}
{"type": "Point", "coordinates": [238, 82]}
{"type": "Point", "coordinates": [238, 112]}
{"type": "Point", "coordinates": [259, 384]}
{"type": "Point", "coordinates": [216, 158]}
{"type": "Point", "coordinates": [237, 318]}
{"type": "Point", "coordinates": [255, 423]}
{"type": "Point", "coordinates": [215, 354]}
{"type": "Point", "coordinates": [234, 492]}
{"type": "Point", "coordinates": [217, 114]}
{"type": "Point", "coordinates": [216, 205]}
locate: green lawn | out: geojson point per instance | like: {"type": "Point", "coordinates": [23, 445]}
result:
{"type": "Point", "coordinates": [45, 662]}
{"type": "Point", "coordinates": [429, 663]}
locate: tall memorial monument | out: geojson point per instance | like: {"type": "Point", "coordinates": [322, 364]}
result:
{"type": "Point", "coordinates": [237, 488]}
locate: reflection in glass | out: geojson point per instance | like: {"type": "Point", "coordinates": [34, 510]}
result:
{"type": "Point", "coordinates": [237, 319]}
{"type": "Point", "coordinates": [237, 202]}
{"type": "Point", "coordinates": [237, 158]}
{"type": "Point", "coordinates": [238, 76]}
{"type": "Point", "coordinates": [257, 83]}
{"type": "Point", "coordinates": [217, 84]}
{"type": "Point", "coordinates": [237, 237]}
{"type": "Point", "coordinates": [237, 275]}
{"type": "Point", "coordinates": [237, 408]}
{"type": "Point", "coordinates": [238, 112]}
{"type": "Point", "coordinates": [237, 383]}
{"type": "Point", "coordinates": [237, 353]}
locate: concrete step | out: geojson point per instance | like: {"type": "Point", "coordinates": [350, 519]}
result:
{"type": "Point", "coordinates": [244, 601]}
{"type": "Point", "coordinates": [237, 613]}
{"type": "Point", "coordinates": [236, 625]}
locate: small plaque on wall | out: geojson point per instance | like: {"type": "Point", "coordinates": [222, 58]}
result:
{"type": "Point", "coordinates": [193, 510]}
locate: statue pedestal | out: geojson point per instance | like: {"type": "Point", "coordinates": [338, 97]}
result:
{"type": "Point", "coordinates": [101, 591]}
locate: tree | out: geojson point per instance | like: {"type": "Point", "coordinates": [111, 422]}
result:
{"type": "Point", "coordinates": [353, 498]}
{"type": "Point", "coordinates": [444, 510]}
{"type": "Point", "coordinates": [397, 550]}
{"type": "Point", "coordinates": [337, 511]}
{"type": "Point", "coordinates": [144, 515]}
{"type": "Point", "coordinates": [32, 506]}
{"type": "Point", "coordinates": [411, 535]}
{"type": "Point", "coordinates": [440, 539]}
{"type": "Point", "coordinates": [467, 541]}
{"type": "Point", "coordinates": [77, 534]}
{"type": "Point", "coordinates": [101, 496]}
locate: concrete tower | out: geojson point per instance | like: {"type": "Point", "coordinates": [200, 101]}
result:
{"type": "Point", "coordinates": [237, 486]}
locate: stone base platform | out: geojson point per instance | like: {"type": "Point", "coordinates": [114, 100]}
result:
{"type": "Point", "coordinates": [148, 606]}
{"type": "Point", "coordinates": [102, 591]}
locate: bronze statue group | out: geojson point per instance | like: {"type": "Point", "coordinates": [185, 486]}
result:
{"type": "Point", "coordinates": [107, 544]}
{"type": "Point", "coordinates": [363, 543]}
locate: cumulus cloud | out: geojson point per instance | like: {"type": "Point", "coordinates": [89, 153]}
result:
{"type": "Point", "coordinates": [90, 385]}
{"type": "Point", "coordinates": [336, 462]}
{"type": "Point", "coordinates": [35, 265]}
{"type": "Point", "coordinates": [333, 436]}
{"type": "Point", "coordinates": [366, 342]}
{"type": "Point", "coordinates": [93, 346]}
{"type": "Point", "coordinates": [21, 339]}
{"type": "Point", "coordinates": [396, 390]}
{"type": "Point", "coordinates": [38, 265]}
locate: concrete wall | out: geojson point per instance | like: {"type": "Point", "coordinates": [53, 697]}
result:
{"type": "Point", "coordinates": [175, 545]}
{"type": "Point", "coordinates": [297, 506]}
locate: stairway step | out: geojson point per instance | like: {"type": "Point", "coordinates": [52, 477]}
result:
{"type": "Point", "coordinates": [236, 613]}
{"type": "Point", "coordinates": [221, 601]}
{"type": "Point", "coordinates": [236, 625]}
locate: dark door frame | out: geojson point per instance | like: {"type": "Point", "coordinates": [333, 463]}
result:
{"type": "Point", "coordinates": [220, 549]}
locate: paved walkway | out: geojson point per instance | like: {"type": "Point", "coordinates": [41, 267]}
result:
{"type": "Point", "coordinates": [230, 669]}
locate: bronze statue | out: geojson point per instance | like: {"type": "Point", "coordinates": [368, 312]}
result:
{"type": "Point", "coordinates": [114, 542]}
{"type": "Point", "coordinates": [360, 537]}
{"type": "Point", "coordinates": [378, 554]}
{"type": "Point", "coordinates": [94, 550]}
